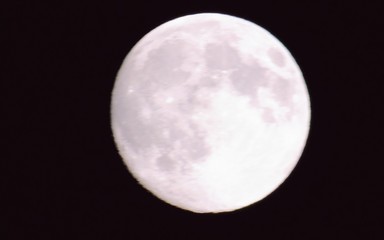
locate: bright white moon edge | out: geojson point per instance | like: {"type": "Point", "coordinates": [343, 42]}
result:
{"type": "Point", "coordinates": [210, 112]}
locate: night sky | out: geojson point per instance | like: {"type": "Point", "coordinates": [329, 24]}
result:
{"type": "Point", "coordinates": [62, 177]}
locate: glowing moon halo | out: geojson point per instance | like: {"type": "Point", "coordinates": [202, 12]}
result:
{"type": "Point", "coordinates": [210, 112]}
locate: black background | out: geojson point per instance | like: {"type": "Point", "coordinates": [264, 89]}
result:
{"type": "Point", "coordinates": [62, 178]}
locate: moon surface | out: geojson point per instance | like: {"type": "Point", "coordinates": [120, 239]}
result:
{"type": "Point", "coordinates": [210, 112]}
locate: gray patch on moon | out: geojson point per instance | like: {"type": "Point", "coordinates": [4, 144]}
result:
{"type": "Point", "coordinates": [145, 134]}
{"type": "Point", "coordinates": [247, 79]}
{"type": "Point", "coordinates": [193, 148]}
{"type": "Point", "coordinates": [282, 89]}
{"type": "Point", "coordinates": [200, 28]}
{"type": "Point", "coordinates": [164, 163]}
{"type": "Point", "coordinates": [145, 118]}
{"type": "Point", "coordinates": [221, 57]}
{"type": "Point", "coordinates": [163, 68]}
{"type": "Point", "coordinates": [277, 57]}
{"type": "Point", "coordinates": [190, 102]}
{"type": "Point", "coordinates": [268, 115]}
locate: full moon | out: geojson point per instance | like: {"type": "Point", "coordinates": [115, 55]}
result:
{"type": "Point", "coordinates": [210, 112]}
